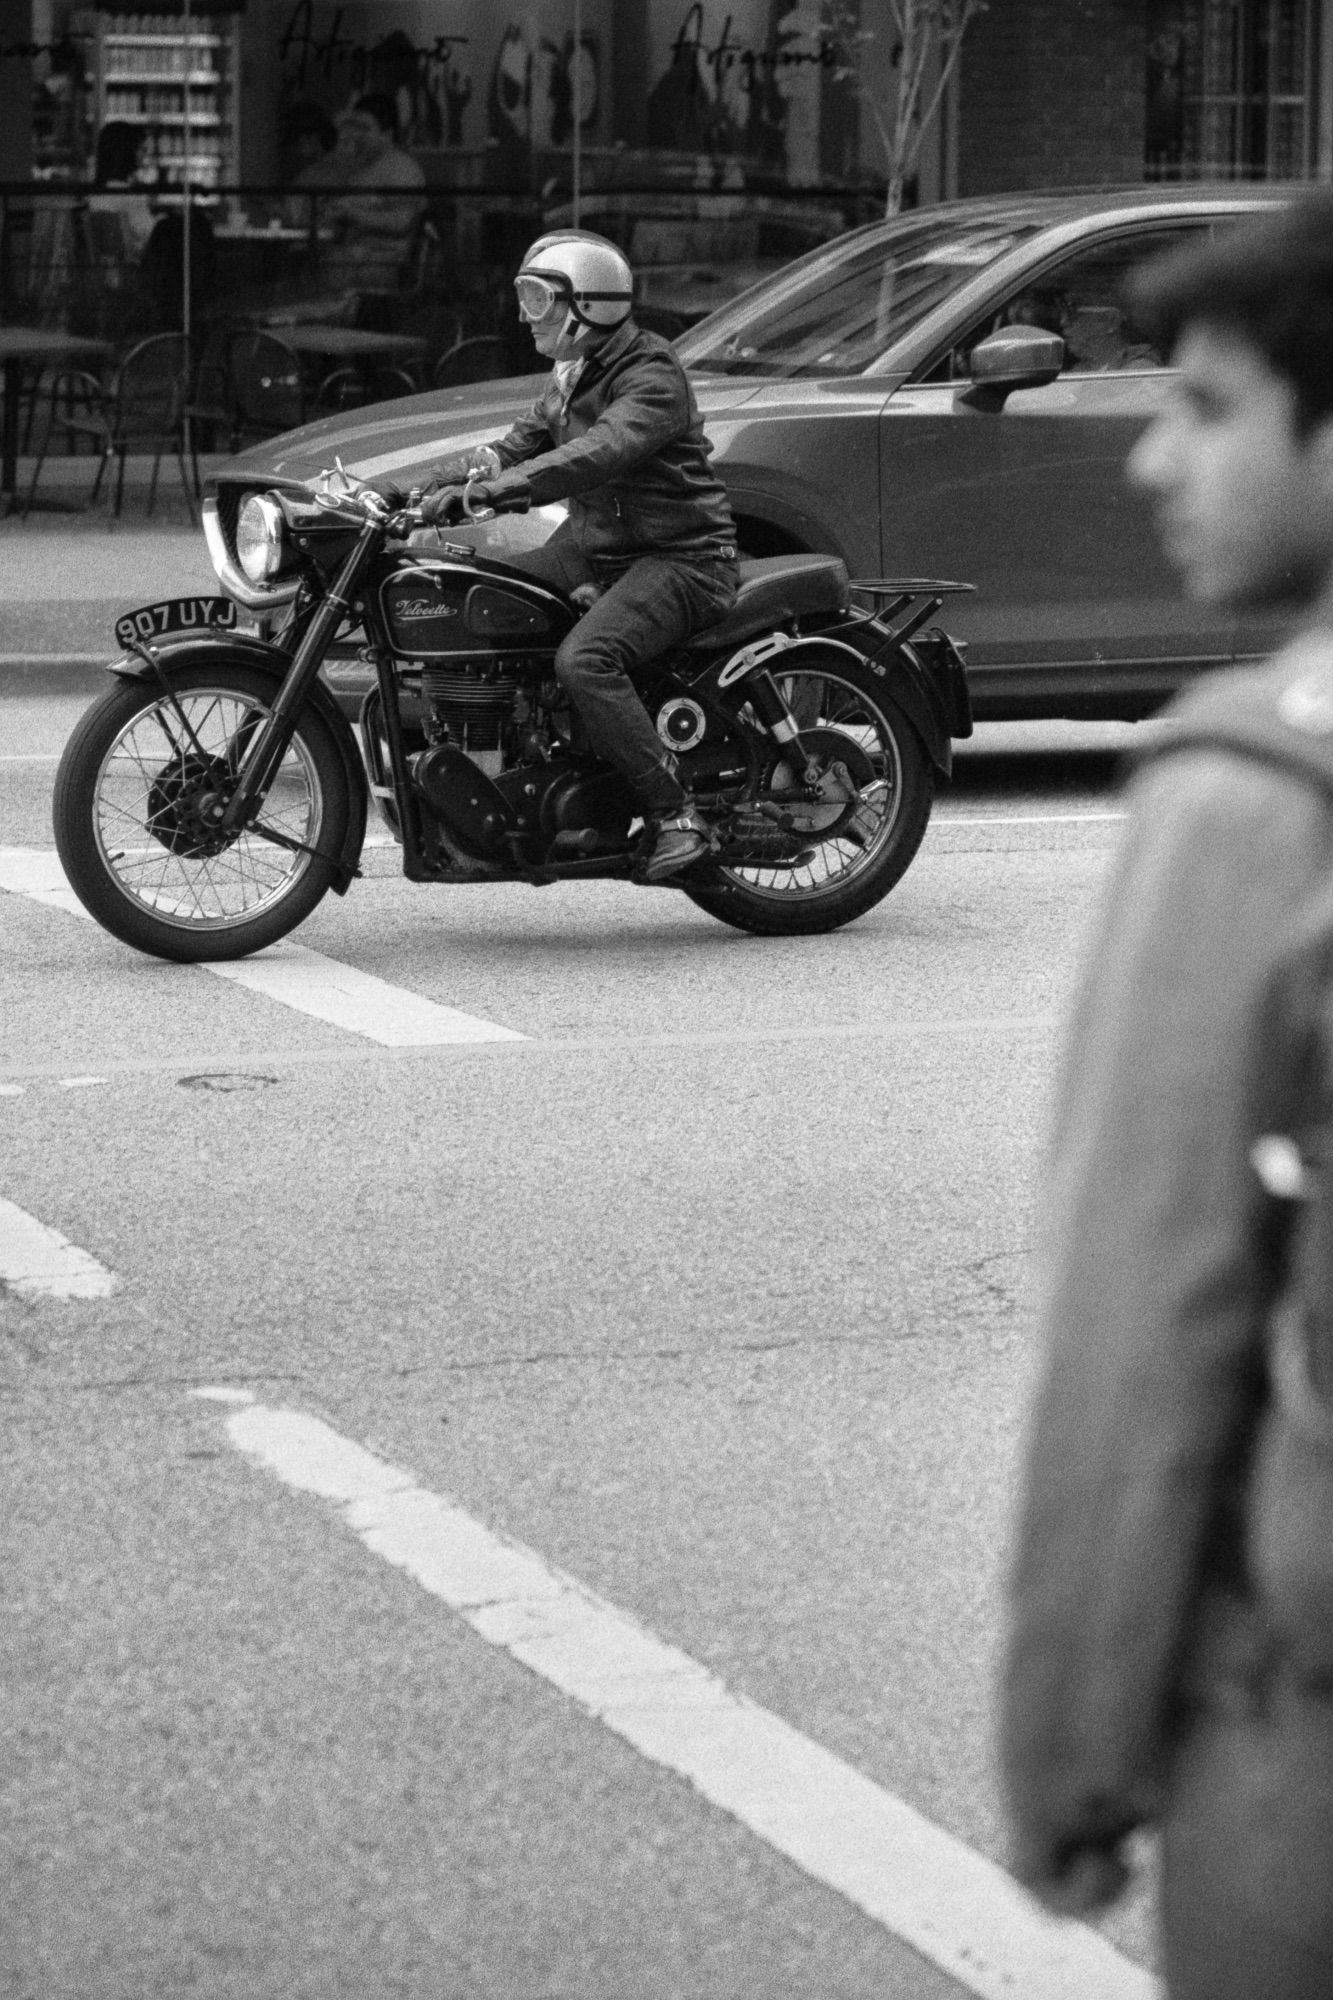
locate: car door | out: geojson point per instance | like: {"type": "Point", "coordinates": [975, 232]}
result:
{"type": "Point", "coordinates": [1076, 608]}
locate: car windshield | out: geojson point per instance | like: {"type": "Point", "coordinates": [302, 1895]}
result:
{"type": "Point", "coordinates": [836, 310]}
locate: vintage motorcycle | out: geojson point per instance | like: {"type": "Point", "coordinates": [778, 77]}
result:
{"type": "Point", "coordinates": [206, 803]}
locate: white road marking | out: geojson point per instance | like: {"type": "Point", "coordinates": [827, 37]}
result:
{"type": "Point", "coordinates": [357, 1001]}
{"type": "Point", "coordinates": [36, 872]}
{"type": "Point", "coordinates": [12, 1089]}
{"type": "Point", "coordinates": [928, 1888]}
{"type": "Point", "coordinates": [1026, 819]}
{"type": "Point", "coordinates": [79, 1082]}
{"type": "Point", "coordinates": [38, 1262]}
{"type": "Point", "coordinates": [292, 974]}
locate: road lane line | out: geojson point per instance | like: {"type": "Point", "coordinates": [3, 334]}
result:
{"type": "Point", "coordinates": [968, 1027]}
{"type": "Point", "coordinates": [38, 1262]}
{"type": "Point", "coordinates": [292, 974]}
{"type": "Point", "coordinates": [1026, 819]}
{"type": "Point", "coordinates": [925, 1886]}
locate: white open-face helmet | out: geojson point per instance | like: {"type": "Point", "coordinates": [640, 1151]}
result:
{"type": "Point", "coordinates": [585, 274]}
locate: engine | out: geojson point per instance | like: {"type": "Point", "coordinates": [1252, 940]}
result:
{"type": "Point", "coordinates": [474, 711]}
{"type": "Point", "coordinates": [495, 766]}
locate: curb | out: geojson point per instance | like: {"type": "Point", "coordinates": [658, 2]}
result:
{"type": "Point", "coordinates": [52, 666]}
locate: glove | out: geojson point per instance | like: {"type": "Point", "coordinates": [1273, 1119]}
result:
{"type": "Point", "coordinates": [396, 496]}
{"type": "Point", "coordinates": [442, 507]}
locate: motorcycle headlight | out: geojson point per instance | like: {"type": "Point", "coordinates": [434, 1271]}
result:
{"type": "Point", "coordinates": [259, 537]}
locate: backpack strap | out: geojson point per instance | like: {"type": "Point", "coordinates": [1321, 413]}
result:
{"type": "Point", "coordinates": [1281, 717]}
{"type": "Point", "coordinates": [1284, 721]}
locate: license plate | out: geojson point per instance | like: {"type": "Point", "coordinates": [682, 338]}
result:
{"type": "Point", "coordinates": [175, 614]}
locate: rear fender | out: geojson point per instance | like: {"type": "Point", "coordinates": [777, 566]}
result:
{"type": "Point", "coordinates": [188, 649]}
{"type": "Point", "coordinates": [898, 669]}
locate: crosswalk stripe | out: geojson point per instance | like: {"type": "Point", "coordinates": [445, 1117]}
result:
{"type": "Point", "coordinates": [292, 974]}
{"type": "Point", "coordinates": [38, 1262]}
{"type": "Point", "coordinates": [357, 1001]}
{"type": "Point", "coordinates": [921, 1883]}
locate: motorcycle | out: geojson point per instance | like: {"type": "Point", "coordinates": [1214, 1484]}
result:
{"type": "Point", "coordinates": [209, 800]}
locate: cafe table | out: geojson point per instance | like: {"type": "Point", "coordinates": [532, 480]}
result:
{"type": "Point", "coordinates": [348, 343]}
{"type": "Point", "coordinates": [20, 345]}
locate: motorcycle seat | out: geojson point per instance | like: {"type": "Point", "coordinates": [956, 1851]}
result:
{"type": "Point", "coordinates": [774, 588]}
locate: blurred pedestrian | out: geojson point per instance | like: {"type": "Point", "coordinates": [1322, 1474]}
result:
{"type": "Point", "coordinates": [1170, 1657]}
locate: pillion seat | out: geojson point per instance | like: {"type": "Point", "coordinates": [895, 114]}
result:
{"type": "Point", "coordinates": [774, 588]}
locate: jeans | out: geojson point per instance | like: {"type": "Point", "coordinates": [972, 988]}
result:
{"type": "Point", "coordinates": [649, 604]}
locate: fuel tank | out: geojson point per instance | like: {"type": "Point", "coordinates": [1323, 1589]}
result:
{"type": "Point", "coordinates": [441, 608]}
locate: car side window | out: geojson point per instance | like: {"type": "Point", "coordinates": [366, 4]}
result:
{"type": "Point", "coordinates": [1084, 301]}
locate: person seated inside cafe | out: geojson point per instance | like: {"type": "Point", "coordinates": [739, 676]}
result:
{"type": "Point", "coordinates": [382, 196]}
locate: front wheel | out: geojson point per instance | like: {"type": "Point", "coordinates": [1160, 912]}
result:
{"type": "Point", "coordinates": [139, 782]}
{"type": "Point", "coordinates": [846, 848]}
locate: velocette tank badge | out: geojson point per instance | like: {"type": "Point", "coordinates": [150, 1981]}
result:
{"type": "Point", "coordinates": [424, 607]}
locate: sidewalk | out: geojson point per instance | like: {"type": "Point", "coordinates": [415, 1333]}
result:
{"type": "Point", "coordinates": [66, 575]}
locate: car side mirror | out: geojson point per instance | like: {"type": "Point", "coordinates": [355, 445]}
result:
{"type": "Point", "coordinates": [1017, 357]}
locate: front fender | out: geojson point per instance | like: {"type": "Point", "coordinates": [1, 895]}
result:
{"type": "Point", "coordinates": [188, 649]}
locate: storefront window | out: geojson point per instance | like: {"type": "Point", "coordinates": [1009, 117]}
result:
{"type": "Point", "coordinates": [1230, 90]}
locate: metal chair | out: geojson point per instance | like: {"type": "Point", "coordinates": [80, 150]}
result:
{"type": "Point", "coordinates": [267, 385]}
{"type": "Point", "coordinates": [211, 408]}
{"type": "Point", "coordinates": [482, 357]}
{"type": "Point", "coordinates": [349, 388]}
{"type": "Point", "coordinates": [140, 409]}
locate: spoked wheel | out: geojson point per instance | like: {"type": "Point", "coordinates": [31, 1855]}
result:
{"type": "Point", "coordinates": [138, 791]}
{"type": "Point", "coordinates": [839, 847]}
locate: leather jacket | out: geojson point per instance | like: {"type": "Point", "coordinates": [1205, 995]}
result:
{"type": "Point", "coordinates": [628, 453]}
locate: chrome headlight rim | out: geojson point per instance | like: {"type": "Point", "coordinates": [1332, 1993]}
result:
{"type": "Point", "coordinates": [261, 533]}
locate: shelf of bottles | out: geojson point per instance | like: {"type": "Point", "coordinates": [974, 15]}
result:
{"type": "Point", "coordinates": [181, 88]}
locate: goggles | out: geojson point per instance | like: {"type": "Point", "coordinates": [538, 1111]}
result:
{"type": "Point", "coordinates": [539, 297]}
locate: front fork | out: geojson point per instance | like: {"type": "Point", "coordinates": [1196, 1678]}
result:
{"type": "Point", "coordinates": [268, 746]}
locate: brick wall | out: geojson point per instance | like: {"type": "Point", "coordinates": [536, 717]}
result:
{"type": "Point", "coordinates": [1051, 94]}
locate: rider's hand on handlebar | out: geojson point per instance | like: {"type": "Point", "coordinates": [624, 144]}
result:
{"type": "Point", "coordinates": [442, 507]}
{"type": "Point", "coordinates": [397, 497]}
{"type": "Point", "coordinates": [448, 505]}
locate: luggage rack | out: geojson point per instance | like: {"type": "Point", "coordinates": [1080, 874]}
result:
{"type": "Point", "coordinates": [900, 590]}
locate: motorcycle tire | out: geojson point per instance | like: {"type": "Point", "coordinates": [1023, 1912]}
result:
{"type": "Point", "coordinates": [129, 793]}
{"type": "Point", "coordinates": [843, 877]}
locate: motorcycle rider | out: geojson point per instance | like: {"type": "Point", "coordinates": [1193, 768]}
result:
{"type": "Point", "coordinates": [649, 548]}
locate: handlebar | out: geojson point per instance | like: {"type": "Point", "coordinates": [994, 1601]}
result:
{"type": "Point", "coordinates": [341, 492]}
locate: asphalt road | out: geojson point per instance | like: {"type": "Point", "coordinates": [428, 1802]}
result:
{"type": "Point", "coordinates": [710, 1291]}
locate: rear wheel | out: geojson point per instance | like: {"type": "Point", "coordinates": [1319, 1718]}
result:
{"type": "Point", "coordinates": [138, 785]}
{"type": "Point", "coordinates": [840, 847]}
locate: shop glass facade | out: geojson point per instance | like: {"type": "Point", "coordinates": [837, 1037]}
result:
{"type": "Point", "coordinates": [1231, 89]}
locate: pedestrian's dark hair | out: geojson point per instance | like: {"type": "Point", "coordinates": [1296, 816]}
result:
{"type": "Point", "coordinates": [377, 104]}
{"type": "Point", "coordinates": [1268, 279]}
